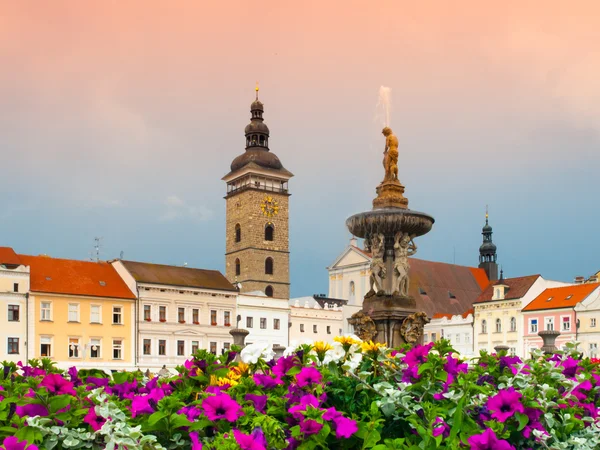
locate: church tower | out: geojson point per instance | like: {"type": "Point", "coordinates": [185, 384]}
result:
{"type": "Point", "coordinates": [487, 252]}
{"type": "Point", "coordinates": [257, 216]}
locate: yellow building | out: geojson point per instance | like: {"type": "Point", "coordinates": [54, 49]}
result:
{"type": "Point", "coordinates": [80, 314]}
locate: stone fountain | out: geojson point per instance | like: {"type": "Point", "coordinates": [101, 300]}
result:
{"type": "Point", "coordinates": [389, 313]}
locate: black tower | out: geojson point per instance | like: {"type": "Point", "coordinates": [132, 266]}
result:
{"type": "Point", "coordinates": [487, 252]}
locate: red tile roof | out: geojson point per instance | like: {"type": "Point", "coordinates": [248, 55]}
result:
{"type": "Point", "coordinates": [561, 297]}
{"type": "Point", "coordinates": [517, 288]}
{"type": "Point", "coordinates": [178, 276]}
{"type": "Point", "coordinates": [8, 257]}
{"type": "Point", "coordinates": [449, 316]}
{"type": "Point", "coordinates": [72, 277]}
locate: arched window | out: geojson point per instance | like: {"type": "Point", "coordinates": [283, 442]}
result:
{"type": "Point", "coordinates": [483, 326]}
{"type": "Point", "coordinates": [269, 266]}
{"type": "Point", "coordinates": [238, 233]}
{"type": "Point", "coordinates": [513, 324]}
{"type": "Point", "coordinates": [238, 267]}
{"type": "Point", "coordinates": [269, 232]}
{"type": "Point", "coordinates": [269, 291]}
{"type": "Point", "coordinates": [498, 326]}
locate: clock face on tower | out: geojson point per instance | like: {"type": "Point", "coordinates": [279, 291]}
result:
{"type": "Point", "coordinates": [269, 207]}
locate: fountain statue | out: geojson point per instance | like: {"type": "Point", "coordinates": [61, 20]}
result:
{"type": "Point", "coordinates": [389, 230]}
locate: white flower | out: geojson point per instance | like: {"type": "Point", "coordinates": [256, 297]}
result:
{"type": "Point", "coordinates": [291, 349]}
{"type": "Point", "coordinates": [353, 362]}
{"type": "Point", "coordinates": [334, 354]}
{"type": "Point", "coordinates": [252, 353]}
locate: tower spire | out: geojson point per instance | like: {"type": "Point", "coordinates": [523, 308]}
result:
{"type": "Point", "coordinates": [256, 89]}
{"type": "Point", "coordinates": [487, 250]}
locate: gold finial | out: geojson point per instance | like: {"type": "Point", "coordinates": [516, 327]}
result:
{"type": "Point", "coordinates": [256, 89]}
{"type": "Point", "coordinates": [486, 212]}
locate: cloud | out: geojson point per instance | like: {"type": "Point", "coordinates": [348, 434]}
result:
{"type": "Point", "coordinates": [177, 209]}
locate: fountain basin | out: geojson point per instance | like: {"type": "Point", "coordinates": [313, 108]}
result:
{"type": "Point", "coordinates": [388, 221]}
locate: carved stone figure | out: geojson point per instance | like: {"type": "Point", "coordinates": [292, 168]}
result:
{"type": "Point", "coordinates": [364, 327]}
{"type": "Point", "coordinates": [390, 155]}
{"type": "Point", "coordinates": [404, 246]}
{"type": "Point", "coordinates": [412, 327]}
{"type": "Point", "coordinates": [378, 270]}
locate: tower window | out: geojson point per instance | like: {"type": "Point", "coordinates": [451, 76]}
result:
{"type": "Point", "coordinates": [269, 232]}
{"type": "Point", "coordinates": [269, 266]}
{"type": "Point", "coordinates": [262, 140]}
{"type": "Point", "coordinates": [238, 233]}
{"type": "Point", "coordinates": [238, 267]}
{"type": "Point", "coordinates": [269, 291]}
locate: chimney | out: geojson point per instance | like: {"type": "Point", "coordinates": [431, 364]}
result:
{"type": "Point", "coordinates": [353, 242]}
{"type": "Point", "coordinates": [593, 279]}
{"type": "Point", "coordinates": [579, 280]}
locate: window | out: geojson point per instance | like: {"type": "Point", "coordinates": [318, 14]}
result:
{"type": "Point", "coordinates": [593, 322]}
{"type": "Point", "coordinates": [433, 337]}
{"type": "Point", "coordinates": [269, 266]}
{"type": "Point", "coordinates": [117, 349]}
{"type": "Point", "coordinates": [227, 318]}
{"type": "Point", "coordinates": [314, 328]}
{"type": "Point", "coordinates": [95, 314]}
{"type": "Point", "coordinates": [498, 326]}
{"type": "Point", "coordinates": [15, 287]}
{"type": "Point", "coordinates": [269, 231]}
{"type": "Point", "coordinates": [513, 351]}
{"type": "Point", "coordinates": [533, 325]}
{"type": "Point", "coordinates": [276, 324]}
{"type": "Point", "coordinates": [328, 329]}
{"type": "Point", "coordinates": [249, 322]}
{"type": "Point", "coordinates": [46, 311]}
{"type": "Point", "coordinates": [269, 291]}
{"type": "Point", "coordinates": [13, 346]}
{"type": "Point", "coordinates": [195, 347]}
{"type": "Point", "coordinates": [549, 321]}
{"type": "Point", "coordinates": [263, 323]}
{"type": "Point", "coordinates": [73, 312]}
{"type": "Point", "coordinates": [213, 348]}
{"type": "Point", "coordinates": [226, 346]}
{"type": "Point", "coordinates": [73, 347]}
{"type": "Point", "coordinates": [95, 348]}
{"type": "Point", "coordinates": [213, 317]}
{"type": "Point", "coordinates": [117, 315]}
{"type": "Point", "coordinates": [162, 347]}
{"type": "Point", "coordinates": [147, 312]}
{"type": "Point", "coordinates": [593, 350]}
{"type": "Point", "coordinates": [238, 267]}
{"type": "Point", "coordinates": [351, 289]}
{"type": "Point", "coordinates": [513, 324]}
{"type": "Point", "coordinates": [147, 346]}
{"type": "Point", "coordinates": [425, 338]}
{"type": "Point", "coordinates": [180, 348]}
{"type": "Point", "coordinates": [467, 338]}
{"type": "Point", "coordinates": [13, 313]}
{"type": "Point", "coordinates": [181, 315]}
{"type": "Point", "coordinates": [458, 338]}
{"type": "Point", "coordinates": [301, 328]}
{"type": "Point", "coordinates": [566, 324]}
{"type": "Point", "coordinates": [45, 347]}
{"type": "Point", "coordinates": [483, 326]}
{"type": "Point", "coordinates": [196, 316]}
{"type": "Point", "coordinates": [162, 313]}
{"type": "Point", "coordinates": [238, 233]}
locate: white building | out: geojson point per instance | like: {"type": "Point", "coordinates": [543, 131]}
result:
{"type": "Point", "coordinates": [266, 318]}
{"type": "Point", "coordinates": [316, 318]}
{"type": "Point", "coordinates": [457, 328]}
{"type": "Point", "coordinates": [587, 317]}
{"type": "Point", "coordinates": [179, 310]}
{"type": "Point", "coordinates": [14, 291]}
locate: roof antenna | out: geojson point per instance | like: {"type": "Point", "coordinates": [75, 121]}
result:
{"type": "Point", "coordinates": [95, 255]}
{"type": "Point", "coordinates": [121, 254]}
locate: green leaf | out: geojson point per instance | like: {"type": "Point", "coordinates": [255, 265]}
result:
{"type": "Point", "coordinates": [154, 418]}
{"type": "Point", "coordinates": [424, 367]}
{"type": "Point", "coordinates": [59, 402]}
{"type": "Point", "coordinates": [121, 377]}
{"type": "Point", "coordinates": [523, 421]}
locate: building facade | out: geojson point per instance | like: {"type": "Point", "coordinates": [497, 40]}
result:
{"type": "Point", "coordinates": [80, 314]}
{"type": "Point", "coordinates": [497, 312]}
{"type": "Point", "coordinates": [456, 328]}
{"type": "Point", "coordinates": [554, 309]}
{"type": "Point", "coordinates": [315, 318]}
{"type": "Point", "coordinates": [587, 323]}
{"type": "Point", "coordinates": [179, 310]}
{"type": "Point", "coordinates": [14, 296]}
{"type": "Point", "coordinates": [257, 215]}
{"type": "Point", "coordinates": [265, 318]}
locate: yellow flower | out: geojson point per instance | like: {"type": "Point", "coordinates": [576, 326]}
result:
{"type": "Point", "coordinates": [238, 370]}
{"type": "Point", "coordinates": [224, 381]}
{"type": "Point", "coordinates": [321, 347]}
{"type": "Point", "coordinates": [371, 346]}
{"type": "Point", "coordinates": [346, 340]}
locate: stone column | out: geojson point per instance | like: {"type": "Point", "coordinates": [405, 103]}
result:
{"type": "Point", "coordinates": [549, 337]}
{"type": "Point", "coordinates": [501, 348]}
{"type": "Point", "coordinates": [239, 336]}
{"type": "Point", "coordinates": [278, 349]}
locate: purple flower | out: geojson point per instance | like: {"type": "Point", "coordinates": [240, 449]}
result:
{"type": "Point", "coordinates": [12, 443]}
{"type": "Point", "coordinates": [488, 441]}
{"type": "Point", "coordinates": [94, 420]}
{"type": "Point", "coordinates": [196, 444]}
{"type": "Point", "coordinates": [417, 355]}
{"type": "Point", "coordinates": [253, 441]}
{"type": "Point", "coordinates": [32, 410]}
{"type": "Point", "coordinates": [56, 384]}
{"type": "Point", "coordinates": [505, 404]}
{"type": "Point", "coordinates": [221, 406]}
{"type": "Point", "coordinates": [570, 367]}
{"type": "Point", "coordinates": [306, 401]}
{"type": "Point", "coordinates": [267, 381]}
{"type": "Point", "coordinates": [440, 427]}
{"type": "Point", "coordinates": [509, 361]}
{"type": "Point", "coordinates": [310, 426]}
{"type": "Point", "coordinates": [259, 401]}
{"type": "Point", "coordinates": [284, 364]}
{"type": "Point", "coordinates": [192, 412]}
{"type": "Point", "coordinates": [94, 382]}
{"type": "Point", "coordinates": [307, 376]}
{"type": "Point", "coordinates": [344, 427]}
{"type": "Point", "coordinates": [29, 371]}
{"type": "Point", "coordinates": [145, 404]}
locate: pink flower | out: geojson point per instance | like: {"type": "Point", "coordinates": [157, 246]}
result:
{"type": "Point", "coordinates": [221, 406]}
{"type": "Point", "coordinates": [344, 427]}
{"type": "Point", "coordinates": [417, 355]}
{"type": "Point", "coordinates": [505, 404]}
{"type": "Point", "coordinates": [254, 441]}
{"type": "Point", "coordinates": [196, 444]}
{"type": "Point", "coordinates": [31, 410]}
{"type": "Point", "coordinates": [440, 427]}
{"type": "Point", "coordinates": [307, 376]}
{"type": "Point", "coordinates": [259, 401]}
{"type": "Point", "coordinates": [284, 364]}
{"type": "Point", "coordinates": [267, 381]}
{"type": "Point", "coordinates": [94, 420]}
{"type": "Point", "coordinates": [488, 441]}
{"type": "Point", "coordinates": [146, 404]}
{"type": "Point", "coordinates": [56, 384]}
{"type": "Point", "coordinates": [307, 400]}
{"type": "Point", "coordinates": [12, 443]}
{"type": "Point", "coordinates": [310, 426]}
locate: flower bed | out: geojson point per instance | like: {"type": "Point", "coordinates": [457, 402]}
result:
{"type": "Point", "coordinates": [347, 395]}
